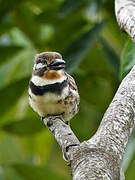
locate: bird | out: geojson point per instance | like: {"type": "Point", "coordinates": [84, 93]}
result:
{"type": "Point", "coordinates": [52, 91]}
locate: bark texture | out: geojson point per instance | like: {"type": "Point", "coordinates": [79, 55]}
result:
{"type": "Point", "coordinates": [125, 14]}
{"type": "Point", "coordinates": [100, 157]}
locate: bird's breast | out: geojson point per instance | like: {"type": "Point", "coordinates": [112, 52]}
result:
{"type": "Point", "coordinates": [51, 75]}
{"type": "Point", "coordinates": [48, 103]}
{"type": "Point", "coordinates": [56, 88]}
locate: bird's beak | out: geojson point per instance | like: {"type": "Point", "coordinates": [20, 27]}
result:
{"type": "Point", "coordinates": [57, 64]}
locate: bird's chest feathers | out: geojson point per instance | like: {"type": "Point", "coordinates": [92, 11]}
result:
{"type": "Point", "coordinates": [51, 75]}
{"type": "Point", "coordinates": [52, 97]}
{"type": "Point", "coordinates": [49, 102]}
{"type": "Point", "coordinates": [47, 93]}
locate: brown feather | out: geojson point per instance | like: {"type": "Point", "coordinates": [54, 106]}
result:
{"type": "Point", "coordinates": [71, 82]}
{"type": "Point", "coordinates": [49, 75]}
{"type": "Point", "coordinates": [48, 56]}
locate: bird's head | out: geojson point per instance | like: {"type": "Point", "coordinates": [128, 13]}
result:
{"type": "Point", "coordinates": [48, 62]}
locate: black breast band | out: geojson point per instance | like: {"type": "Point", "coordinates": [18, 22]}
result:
{"type": "Point", "coordinates": [40, 90]}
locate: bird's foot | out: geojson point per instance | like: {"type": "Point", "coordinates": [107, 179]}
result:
{"type": "Point", "coordinates": [55, 116]}
{"type": "Point", "coordinates": [60, 116]}
{"type": "Point", "coordinates": [67, 122]}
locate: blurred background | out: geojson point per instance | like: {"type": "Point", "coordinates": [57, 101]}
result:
{"type": "Point", "coordinates": [98, 55]}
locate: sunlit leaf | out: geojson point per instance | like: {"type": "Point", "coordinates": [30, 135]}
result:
{"type": "Point", "coordinates": [36, 172]}
{"type": "Point", "coordinates": [79, 48]}
{"type": "Point", "coordinates": [93, 8]}
{"type": "Point", "coordinates": [128, 58]}
{"type": "Point", "coordinates": [24, 127]}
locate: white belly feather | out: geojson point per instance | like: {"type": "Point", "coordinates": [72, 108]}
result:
{"type": "Point", "coordinates": [53, 103]}
{"type": "Point", "coordinates": [48, 103]}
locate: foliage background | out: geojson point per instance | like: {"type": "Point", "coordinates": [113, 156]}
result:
{"type": "Point", "coordinates": [98, 55]}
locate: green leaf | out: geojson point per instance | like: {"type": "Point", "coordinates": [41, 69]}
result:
{"type": "Point", "coordinates": [29, 26]}
{"type": "Point", "coordinates": [130, 173]}
{"type": "Point", "coordinates": [69, 6]}
{"type": "Point", "coordinates": [10, 174]}
{"type": "Point", "coordinates": [48, 17]}
{"type": "Point", "coordinates": [11, 93]}
{"type": "Point", "coordinates": [79, 47]}
{"type": "Point", "coordinates": [27, 126]}
{"type": "Point", "coordinates": [109, 7]}
{"type": "Point", "coordinates": [7, 52]}
{"type": "Point", "coordinates": [31, 172]}
{"type": "Point", "coordinates": [95, 74]}
{"type": "Point", "coordinates": [130, 152]}
{"type": "Point", "coordinates": [111, 57]}
{"type": "Point", "coordinates": [6, 6]}
{"type": "Point", "coordinates": [93, 8]}
{"type": "Point", "coordinates": [5, 24]}
{"type": "Point", "coordinates": [95, 84]}
{"type": "Point", "coordinates": [70, 26]}
{"type": "Point", "coordinates": [128, 58]}
{"type": "Point", "coordinates": [45, 5]}
{"type": "Point", "coordinates": [91, 116]}
{"type": "Point", "coordinates": [10, 150]}
{"type": "Point", "coordinates": [20, 67]}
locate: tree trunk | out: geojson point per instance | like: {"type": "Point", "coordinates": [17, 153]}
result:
{"type": "Point", "coordinates": [101, 156]}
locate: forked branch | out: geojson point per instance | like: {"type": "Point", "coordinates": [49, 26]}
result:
{"type": "Point", "coordinates": [101, 156]}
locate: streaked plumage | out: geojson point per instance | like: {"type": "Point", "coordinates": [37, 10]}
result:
{"type": "Point", "coordinates": [51, 90]}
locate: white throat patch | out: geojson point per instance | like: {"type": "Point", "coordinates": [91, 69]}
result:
{"type": "Point", "coordinates": [38, 81]}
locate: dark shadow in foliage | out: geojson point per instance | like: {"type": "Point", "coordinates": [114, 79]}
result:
{"type": "Point", "coordinates": [79, 47]}
{"type": "Point", "coordinates": [10, 94]}
{"type": "Point", "coordinates": [33, 172]}
{"type": "Point", "coordinates": [27, 126]}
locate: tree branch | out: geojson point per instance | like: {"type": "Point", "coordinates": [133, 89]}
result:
{"type": "Point", "coordinates": [63, 135]}
{"type": "Point", "coordinates": [125, 14]}
{"type": "Point", "coordinates": [101, 156]}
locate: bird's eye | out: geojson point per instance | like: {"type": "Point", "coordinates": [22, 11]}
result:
{"type": "Point", "coordinates": [41, 61]}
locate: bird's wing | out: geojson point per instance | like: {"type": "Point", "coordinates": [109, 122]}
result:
{"type": "Point", "coordinates": [71, 82]}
